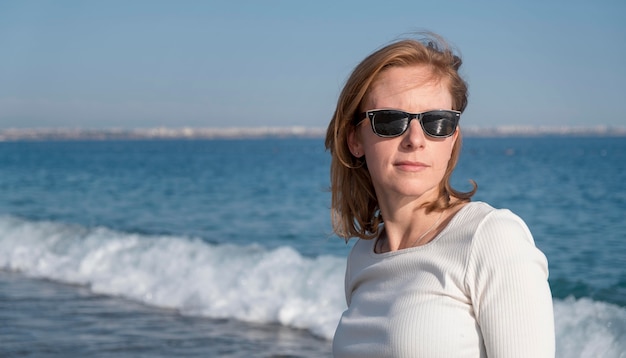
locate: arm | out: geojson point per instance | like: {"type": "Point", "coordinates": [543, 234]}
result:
{"type": "Point", "coordinates": [507, 279]}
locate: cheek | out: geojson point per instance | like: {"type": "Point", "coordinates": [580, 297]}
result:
{"type": "Point", "coordinates": [377, 158]}
{"type": "Point", "coordinates": [370, 143]}
{"type": "Point", "coordinates": [376, 149]}
{"type": "Point", "coordinates": [371, 158]}
{"type": "Point", "coordinates": [443, 155]}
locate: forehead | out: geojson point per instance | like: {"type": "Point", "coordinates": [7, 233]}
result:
{"type": "Point", "coordinates": [406, 77]}
{"type": "Point", "coordinates": [407, 82]}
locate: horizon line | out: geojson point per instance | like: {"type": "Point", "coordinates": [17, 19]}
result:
{"type": "Point", "coordinates": [186, 132]}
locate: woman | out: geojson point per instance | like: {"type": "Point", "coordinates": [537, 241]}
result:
{"type": "Point", "coordinates": [432, 274]}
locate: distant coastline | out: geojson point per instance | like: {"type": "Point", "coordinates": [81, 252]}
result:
{"type": "Point", "coordinates": [163, 133]}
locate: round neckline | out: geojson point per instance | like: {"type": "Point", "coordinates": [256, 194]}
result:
{"type": "Point", "coordinates": [451, 223]}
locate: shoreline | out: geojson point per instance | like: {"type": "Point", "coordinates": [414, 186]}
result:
{"type": "Point", "coordinates": [164, 133]}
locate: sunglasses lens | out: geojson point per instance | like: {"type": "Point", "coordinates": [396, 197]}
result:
{"type": "Point", "coordinates": [439, 123]}
{"type": "Point", "coordinates": [390, 123]}
{"type": "Point", "coordinates": [393, 123]}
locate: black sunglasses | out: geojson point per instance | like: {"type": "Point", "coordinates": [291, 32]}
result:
{"type": "Point", "coordinates": [393, 123]}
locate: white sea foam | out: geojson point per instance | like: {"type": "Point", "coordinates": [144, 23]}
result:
{"type": "Point", "coordinates": [589, 329]}
{"type": "Point", "coordinates": [247, 283]}
{"type": "Point", "coordinates": [221, 281]}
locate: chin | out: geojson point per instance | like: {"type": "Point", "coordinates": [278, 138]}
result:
{"type": "Point", "coordinates": [417, 191]}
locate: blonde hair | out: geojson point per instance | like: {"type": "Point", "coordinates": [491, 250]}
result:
{"type": "Point", "coordinates": [354, 206]}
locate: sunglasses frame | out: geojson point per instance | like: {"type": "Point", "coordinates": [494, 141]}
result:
{"type": "Point", "coordinates": [411, 116]}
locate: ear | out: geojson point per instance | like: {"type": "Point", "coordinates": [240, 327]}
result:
{"type": "Point", "coordinates": [354, 143]}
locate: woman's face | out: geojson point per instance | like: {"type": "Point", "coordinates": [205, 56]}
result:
{"type": "Point", "coordinates": [413, 164]}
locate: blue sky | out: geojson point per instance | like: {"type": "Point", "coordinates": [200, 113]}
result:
{"type": "Point", "coordinates": [138, 64]}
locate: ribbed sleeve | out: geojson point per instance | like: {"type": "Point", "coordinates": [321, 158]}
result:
{"type": "Point", "coordinates": [507, 281]}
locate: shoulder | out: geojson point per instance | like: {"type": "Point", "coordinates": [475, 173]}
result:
{"type": "Point", "coordinates": [487, 223]}
{"type": "Point", "coordinates": [467, 220]}
{"type": "Point", "coordinates": [502, 230]}
{"type": "Point", "coordinates": [496, 238]}
{"type": "Point", "coordinates": [502, 239]}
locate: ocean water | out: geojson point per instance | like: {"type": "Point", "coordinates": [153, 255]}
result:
{"type": "Point", "coordinates": [224, 248]}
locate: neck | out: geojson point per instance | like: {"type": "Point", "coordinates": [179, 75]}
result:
{"type": "Point", "coordinates": [418, 231]}
{"type": "Point", "coordinates": [407, 224]}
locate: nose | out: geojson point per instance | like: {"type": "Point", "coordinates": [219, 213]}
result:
{"type": "Point", "coordinates": [414, 137]}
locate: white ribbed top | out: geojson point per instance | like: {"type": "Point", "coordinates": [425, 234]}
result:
{"type": "Point", "coordinates": [479, 289]}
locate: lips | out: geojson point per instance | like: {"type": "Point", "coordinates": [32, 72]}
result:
{"type": "Point", "coordinates": [410, 166]}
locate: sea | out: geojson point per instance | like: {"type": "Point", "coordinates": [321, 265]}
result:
{"type": "Point", "coordinates": [224, 248]}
